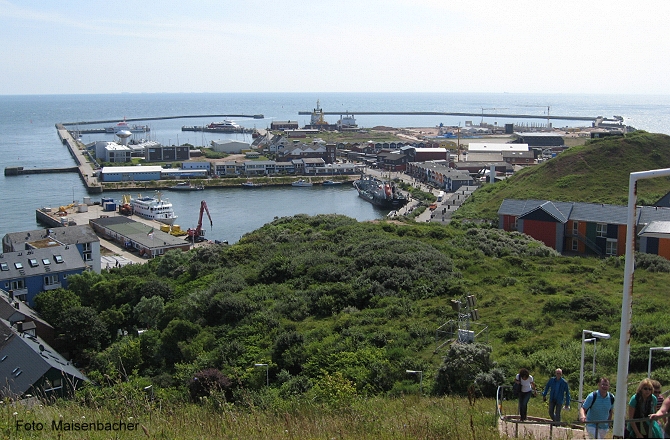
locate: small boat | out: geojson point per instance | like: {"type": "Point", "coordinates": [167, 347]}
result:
{"type": "Point", "coordinates": [330, 183]}
{"type": "Point", "coordinates": [250, 184]}
{"type": "Point", "coordinates": [301, 183]}
{"type": "Point", "coordinates": [186, 186]}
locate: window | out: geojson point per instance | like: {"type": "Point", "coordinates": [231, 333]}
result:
{"type": "Point", "coordinates": [4, 266]}
{"type": "Point", "coordinates": [50, 280]}
{"type": "Point", "coordinates": [515, 225]}
{"type": "Point", "coordinates": [610, 247]}
{"type": "Point", "coordinates": [86, 247]}
{"type": "Point", "coordinates": [32, 262]}
{"type": "Point", "coordinates": [575, 244]}
{"type": "Point", "coordinates": [88, 256]}
{"type": "Point", "coordinates": [18, 265]}
{"type": "Point", "coordinates": [17, 285]}
{"type": "Point", "coordinates": [46, 261]}
{"type": "Point", "coordinates": [575, 228]}
{"type": "Point", "coordinates": [601, 230]}
{"type": "Point", "coordinates": [58, 259]}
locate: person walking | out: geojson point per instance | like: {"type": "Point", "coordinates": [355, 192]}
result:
{"type": "Point", "coordinates": [559, 391]}
{"type": "Point", "coordinates": [598, 407]}
{"type": "Point", "coordinates": [642, 405]}
{"type": "Point", "coordinates": [527, 387]}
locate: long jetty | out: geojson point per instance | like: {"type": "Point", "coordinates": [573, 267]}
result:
{"type": "Point", "coordinates": [159, 118]}
{"type": "Point", "coordinates": [481, 115]}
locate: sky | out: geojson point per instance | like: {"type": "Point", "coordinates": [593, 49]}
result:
{"type": "Point", "coordinates": [501, 46]}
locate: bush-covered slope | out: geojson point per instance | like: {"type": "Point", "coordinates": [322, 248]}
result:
{"type": "Point", "coordinates": [597, 172]}
{"type": "Point", "coordinates": [326, 301]}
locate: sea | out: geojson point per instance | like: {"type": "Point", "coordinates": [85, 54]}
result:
{"type": "Point", "coordinates": [28, 138]}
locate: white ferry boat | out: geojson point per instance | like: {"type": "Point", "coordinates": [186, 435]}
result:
{"type": "Point", "coordinates": [153, 208]}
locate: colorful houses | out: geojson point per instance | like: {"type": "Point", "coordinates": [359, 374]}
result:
{"type": "Point", "coordinates": [587, 228]}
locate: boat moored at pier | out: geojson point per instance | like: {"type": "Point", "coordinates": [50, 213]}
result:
{"type": "Point", "coordinates": [186, 186]}
{"type": "Point", "coordinates": [154, 208]}
{"type": "Point", "coordinates": [384, 194]}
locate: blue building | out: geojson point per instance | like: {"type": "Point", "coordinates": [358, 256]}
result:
{"type": "Point", "coordinates": [24, 274]}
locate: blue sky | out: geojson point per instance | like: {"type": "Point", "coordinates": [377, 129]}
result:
{"type": "Point", "coordinates": [513, 46]}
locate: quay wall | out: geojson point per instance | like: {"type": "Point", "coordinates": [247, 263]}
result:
{"type": "Point", "coordinates": [19, 171]}
{"type": "Point", "coordinates": [84, 168]}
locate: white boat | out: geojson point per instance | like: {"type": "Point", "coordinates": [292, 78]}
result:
{"type": "Point", "coordinates": [186, 186]}
{"type": "Point", "coordinates": [301, 183]}
{"type": "Point", "coordinates": [225, 125]}
{"type": "Point", "coordinates": [154, 208]}
{"type": "Point", "coordinates": [251, 184]}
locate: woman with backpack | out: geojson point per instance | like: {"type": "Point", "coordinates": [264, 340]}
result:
{"type": "Point", "coordinates": [642, 405]}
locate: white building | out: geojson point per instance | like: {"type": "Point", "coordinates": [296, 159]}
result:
{"type": "Point", "coordinates": [230, 146]}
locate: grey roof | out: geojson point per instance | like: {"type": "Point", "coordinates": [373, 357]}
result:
{"type": "Point", "coordinates": [34, 262]}
{"type": "Point", "coordinates": [14, 311]}
{"type": "Point", "coordinates": [658, 229]}
{"type": "Point", "coordinates": [25, 359]}
{"type": "Point", "coordinates": [139, 232]}
{"type": "Point", "coordinates": [15, 241]}
{"type": "Point", "coordinates": [600, 213]}
{"type": "Point", "coordinates": [587, 212]}
{"type": "Point", "coordinates": [559, 210]}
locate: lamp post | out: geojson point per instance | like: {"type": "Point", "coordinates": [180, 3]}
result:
{"type": "Point", "coordinates": [420, 373]}
{"type": "Point", "coordinates": [267, 373]}
{"type": "Point", "coordinates": [594, 335]}
{"type": "Point", "coordinates": [650, 350]}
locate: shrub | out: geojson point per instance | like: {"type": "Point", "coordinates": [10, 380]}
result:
{"type": "Point", "coordinates": [207, 381]}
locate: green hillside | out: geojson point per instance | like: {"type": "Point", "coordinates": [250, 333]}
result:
{"type": "Point", "coordinates": [597, 172]}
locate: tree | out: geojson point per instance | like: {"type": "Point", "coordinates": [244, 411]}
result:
{"type": "Point", "coordinates": [53, 303]}
{"type": "Point", "coordinates": [148, 310]}
{"type": "Point", "coordinates": [80, 329]}
{"type": "Point", "coordinates": [461, 366]}
{"type": "Point", "coordinates": [206, 382]}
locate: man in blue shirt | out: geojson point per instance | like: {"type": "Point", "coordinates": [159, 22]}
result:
{"type": "Point", "coordinates": [598, 407]}
{"type": "Point", "coordinates": [559, 392]}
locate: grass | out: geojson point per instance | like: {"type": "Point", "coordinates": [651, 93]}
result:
{"type": "Point", "coordinates": [407, 417]}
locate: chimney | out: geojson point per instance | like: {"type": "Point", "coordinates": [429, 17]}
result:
{"type": "Point", "coordinates": [16, 305]}
{"type": "Point", "coordinates": [19, 326]}
{"type": "Point", "coordinates": [11, 295]}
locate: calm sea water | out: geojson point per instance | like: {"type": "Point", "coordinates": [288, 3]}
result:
{"type": "Point", "coordinates": [28, 138]}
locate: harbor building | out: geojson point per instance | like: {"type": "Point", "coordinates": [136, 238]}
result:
{"type": "Point", "coordinates": [27, 273]}
{"type": "Point", "coordinates": [146, 240]}
{"type": "Point", "coordinates": [230, 146]}
{"type": "Point", "coordinates": [82, 237]}
{"type": "Point", "coordinates": [131, 174]}
{"type": "Point", "coordinates": [155, 152]}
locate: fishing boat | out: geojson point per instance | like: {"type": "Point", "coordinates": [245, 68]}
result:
{"type": "Point", "coordinates": [154, 208]}
{"type": "Point", "coordinates": [301, 183]}
{"type": "Point", "coordinates": [251, 184]}
{"type": "Point", "coordinates": [186, 186]}
{"type": "Point", "coordinates": [380, 193]}
{"type": "Point", "coordinates": [330, 183]}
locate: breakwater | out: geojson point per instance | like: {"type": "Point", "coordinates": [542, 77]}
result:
{"type": "Point", "coordinates": [160, 118]}
{"type": "Point", "coordinates": [19, 171]}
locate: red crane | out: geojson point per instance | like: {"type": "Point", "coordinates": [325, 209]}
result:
{"type": "Point", "coordinates": [197, 234]}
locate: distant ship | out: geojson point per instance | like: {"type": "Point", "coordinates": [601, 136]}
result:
{"type": "Point", "coordinates": [154, 208]}
{"type": "Point", "coordinates": [383, 194]}
{"type": "Point", "coordinates": [225, 125]}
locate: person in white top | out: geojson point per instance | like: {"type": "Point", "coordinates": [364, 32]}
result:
{"type": "Point", "coordinates": [527, 389]}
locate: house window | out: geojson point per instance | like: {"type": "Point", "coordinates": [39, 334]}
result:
{"type": "Point", "coordinates": [601, 230]}
{"type": "Point", "coordinates": [575, 244]}
{"type": "Point", "coordinates": [46, 261]}
{"type": "Point", "coordinates": [58, 259]}
{"type": "Point", "coordinates": [575, 228]}
{"type": "Point", "coordinates": [50, 280]}
{"type": "Point", "coordinates": [33, 262]}
{"type": "Point", "coordinates": [17, 285]}
{"type": "Point", "coordinates": [87, 256]}
{"type": "Point", "coordinates": [4, 266]}
{"type": "Point", "coordinates": [610, 247]}
{"type": "Point", "coordinates": [86, 247]}
{"type": "Point", "coordinates": [18, 265]}
{"type": "Point", "coordinates": [515, 225]}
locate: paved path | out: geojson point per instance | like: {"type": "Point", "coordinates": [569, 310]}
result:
{"type": "Point", "coordinates": [537, 428]}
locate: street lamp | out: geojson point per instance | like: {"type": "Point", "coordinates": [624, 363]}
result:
{"type": "Point", "coordinates": [420, 373]}
{"type": "Point", "coordinates": [650, 350]}
{"type": "Point", "coordinates": [595, 335]}
{"type": "Point", "coordinates": [267, 373]}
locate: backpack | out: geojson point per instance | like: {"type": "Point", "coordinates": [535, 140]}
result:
{"type": "Point", "coordinates": [593, 400]}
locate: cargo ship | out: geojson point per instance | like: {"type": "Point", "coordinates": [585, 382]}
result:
{"type": "Point", "coordinates": [380, 193]}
